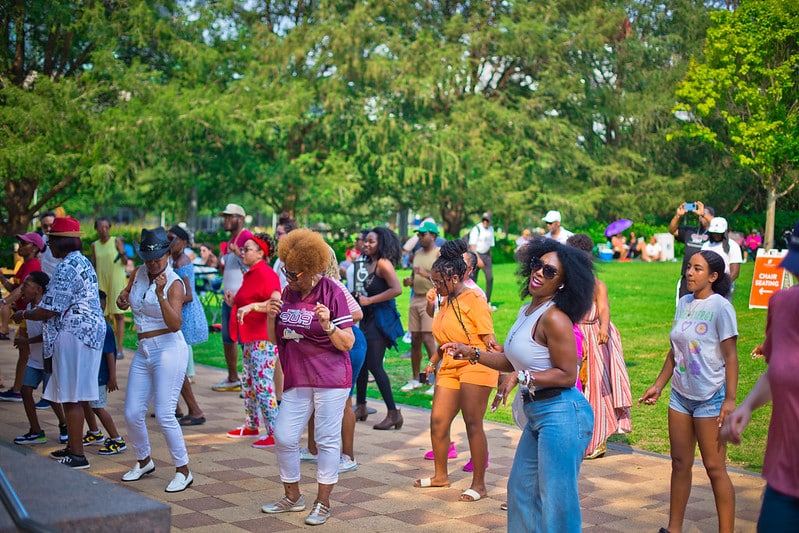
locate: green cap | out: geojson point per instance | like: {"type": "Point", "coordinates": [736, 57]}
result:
{"type": "Point", "coordinates": [428, 227]}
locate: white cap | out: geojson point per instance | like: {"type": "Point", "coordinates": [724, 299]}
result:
{"type": "Point", "coordinates": [552, 216]}
{"type": "Point", "coordinates": [717, 225]}
{"type": "Point", "coordinates": [233, 209]}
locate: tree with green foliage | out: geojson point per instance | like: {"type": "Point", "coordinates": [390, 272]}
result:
{"type": "Point", "coordinates": [742, 97]}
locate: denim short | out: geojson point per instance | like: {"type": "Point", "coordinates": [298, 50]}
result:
{"type": "Point", "coordinates": [709, 408]}
{"type": "Point", "coordinates": [34, 376]}
{"type": "Point", "coordinates": [102, 398]}
{"type": "Point", "coordinates": [226, 310]}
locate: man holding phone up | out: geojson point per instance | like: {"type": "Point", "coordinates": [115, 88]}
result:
{"type": "Point", "coordinates": [692, 236]}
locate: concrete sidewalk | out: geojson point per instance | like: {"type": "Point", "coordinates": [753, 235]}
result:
{"type": "Point", "coordinates": [627, 490]}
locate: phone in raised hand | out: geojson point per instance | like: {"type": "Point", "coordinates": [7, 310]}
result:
{"type": "Point", "coordinates": [689, 206]}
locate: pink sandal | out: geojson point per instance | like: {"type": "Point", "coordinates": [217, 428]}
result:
{"type": "Point", "coordinates": [451, 454]}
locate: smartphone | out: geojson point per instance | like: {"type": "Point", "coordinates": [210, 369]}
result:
{"type": "Point", "coordinates": [689, 206]}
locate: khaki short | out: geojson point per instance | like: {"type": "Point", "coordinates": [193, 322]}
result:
{"type": "Point", "coordinates": [418, 319]}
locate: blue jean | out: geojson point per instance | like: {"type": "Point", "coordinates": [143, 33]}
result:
{"type": "Point", "coordinates": [542, 487]}
{"type": "Point", "coordinates": [357, 355]}
{"type": "Point", "coordinates": [780, 512]}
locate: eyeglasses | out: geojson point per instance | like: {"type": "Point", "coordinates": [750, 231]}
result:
{"type": "Point", "coordinates": [550, 223]}
{"type": "Point", "coordinates": [291, 276]}
{"type": "Point", "coordinates": [279, 233]}
{"type": "Point", "coordinates": [548, 271]}
{"type": "Point", "coordinates": [246, 249]}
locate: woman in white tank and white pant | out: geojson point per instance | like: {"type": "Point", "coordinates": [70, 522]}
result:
{"type": "Point", "coordinates": [155, 296]}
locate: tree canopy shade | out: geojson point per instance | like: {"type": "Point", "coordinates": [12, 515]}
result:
{"type": "Point", "coordinates": [353, 110]}
{"type": "Point", "coordinates": [743, 96]}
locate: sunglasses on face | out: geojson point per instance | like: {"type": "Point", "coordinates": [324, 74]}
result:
{"type": "Point", "coordinates": [548, 271]}
{"type": "Point", "coordinates": [246, 249]}
{"type": "Point", "coordinates": [291, 276]}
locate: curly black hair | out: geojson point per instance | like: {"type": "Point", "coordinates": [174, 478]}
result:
{"type": "Point", "coordinates": [388, 245]}
{"type": "Point", "coordinates": [450, 261]}
{"type": "Point", "coordinates": [581, 241]}
{"type": "Point", "coordinates": [270, 242]}
{"type": "Point", "coordinates": [715, 263]}
{"type": "Point", "coordinates": [577, 295]}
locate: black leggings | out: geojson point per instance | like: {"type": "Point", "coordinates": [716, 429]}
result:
{"type": "Point", "coordinates": [375, 350]}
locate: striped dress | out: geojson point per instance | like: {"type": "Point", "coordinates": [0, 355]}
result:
{"type": "Point", "coordinates": [607, 386]}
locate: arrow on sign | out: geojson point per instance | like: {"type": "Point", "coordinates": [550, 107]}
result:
{"type": "Point", "coordinates": [762, 291]}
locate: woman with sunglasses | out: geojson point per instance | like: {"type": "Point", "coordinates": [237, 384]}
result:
{"type": "Point", "coordinates": [463, 317]}
{"type": "Point", "coordinates": [248, 327]}
{"type": "Point", "coordinates": [702, 365]}
{"type": "Point", "coordinates": [381, 321]}
{"type": "Point", "coordinates": [312, 328]}
{"type": "Point", "coordinates": [540, 347]}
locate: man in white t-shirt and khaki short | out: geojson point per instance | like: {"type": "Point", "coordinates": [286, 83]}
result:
{"type": "Point", "coordinates": [481, 240]}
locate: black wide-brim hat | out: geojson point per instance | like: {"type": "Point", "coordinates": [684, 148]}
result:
{"type": "Point", "coordinates": [154, 243]}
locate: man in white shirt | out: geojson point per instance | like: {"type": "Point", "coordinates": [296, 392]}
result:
{"type": "Point", "coordinates": [554, 229]}
{"type": "Point", "coordinates": [481, 240]}
{"type": "Point", "coordinates": [719, 241]}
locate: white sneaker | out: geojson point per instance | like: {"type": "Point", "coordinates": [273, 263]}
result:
{"type": "Point", "coordinates": [179, 483]}
{"type": "Point", "coordinates": [347, 464]}
{"type": "Point", "coordinates": [306, 455]}
{"type": "Point", "coordinates": [492, 307]}
{"type": "Point", "coordinates": [430, 391]}
{"type": "Point", "coordinates": [407, 337]}
{"type": "Point", "coordinates": [411, 385]}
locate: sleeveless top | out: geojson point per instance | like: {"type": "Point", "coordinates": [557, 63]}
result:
{"type": "Point", "coordinates": [144, 304]}
{"type": "Point", "coordinates": [520, 348]}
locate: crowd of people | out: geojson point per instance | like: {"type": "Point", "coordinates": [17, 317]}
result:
{"type": "Point", "coordinates": [308, 342]}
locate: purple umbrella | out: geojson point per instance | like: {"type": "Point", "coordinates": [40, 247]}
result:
{"type": "Point", "coordinates": [617, 227]}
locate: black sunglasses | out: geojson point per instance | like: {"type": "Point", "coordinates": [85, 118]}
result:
{"type": "Point", "coordinates": [291, 276]}
{"type": "Point", "coordinates": [548, 271]}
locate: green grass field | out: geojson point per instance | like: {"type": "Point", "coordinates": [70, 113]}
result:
{"type": "Point", "coordinates": [642, 307]}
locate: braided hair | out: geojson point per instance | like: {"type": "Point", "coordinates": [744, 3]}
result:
{"type": "Point", "coordinates": [450, 263]}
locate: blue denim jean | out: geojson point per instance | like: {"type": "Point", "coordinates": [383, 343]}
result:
{"type": "Point", "coordinates": [542, 487]}
{"type": "Point", "coordinates": [780, 512]}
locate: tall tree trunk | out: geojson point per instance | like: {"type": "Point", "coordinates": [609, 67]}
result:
{"type": "Point", "coordinates": [192, 215]}
{"type": "Point", "coordinates": [771, 210]}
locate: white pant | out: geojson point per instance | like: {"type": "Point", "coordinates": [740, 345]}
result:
{"type": "Point", "coordinates": [156, 375]}
{"type": "Point", "coordinates": [292, 417]}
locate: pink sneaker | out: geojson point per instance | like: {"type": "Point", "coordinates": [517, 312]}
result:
{"type": "Point", "coordinates": [265, 442]}
{"type": "Point", "coordinates": [243, 432]}
{"type": "Point", "coordinates": [469, 467]}
{"type": "Point", "coordinates": [452, 454]}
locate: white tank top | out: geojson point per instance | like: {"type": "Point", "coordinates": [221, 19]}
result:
{"type": "Point", "coordinates": [520, 348]}
{"type": "Point", "coordinates": [144, 304]}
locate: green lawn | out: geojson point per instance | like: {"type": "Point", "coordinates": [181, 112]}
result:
{"type": "Point", "coordinates": [642, 307]}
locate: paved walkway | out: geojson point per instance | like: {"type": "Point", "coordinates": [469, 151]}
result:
{"type": "Point", "coordinates": [625, 491]}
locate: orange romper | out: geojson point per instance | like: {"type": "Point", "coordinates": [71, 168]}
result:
{"type": "Point", "coordinates": [476, 317]}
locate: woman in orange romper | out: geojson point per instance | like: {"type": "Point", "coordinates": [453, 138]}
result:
{"type": "Point", "coordinates": [464, 317]}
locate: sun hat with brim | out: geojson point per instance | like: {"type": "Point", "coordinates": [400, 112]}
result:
{"type": "Point", "coordinates": [33, 238]}
{"type": "Point", "coordinates": [791, 261]}
{"type": "Point", "coordinates": [154, 243]}
{"type": "Point", "coordinates": [65, 227]}
{"type": "Point", "coordinates": [428, 227]}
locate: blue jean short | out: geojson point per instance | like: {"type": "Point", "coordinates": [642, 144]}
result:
{"type": "Point", "coordinates": [226, 310]}
{"type": "Point", "coordinates": [709, 408]}
{"type": "Point", "coordinates": [34, 376]}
